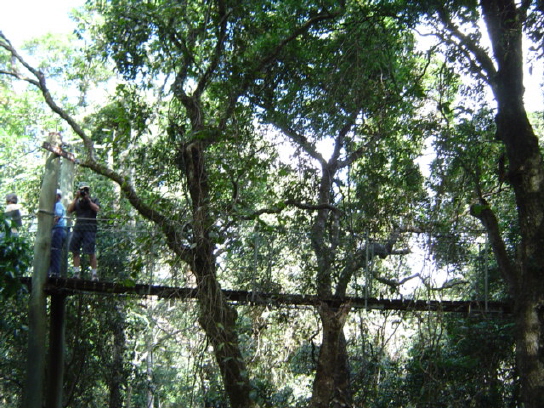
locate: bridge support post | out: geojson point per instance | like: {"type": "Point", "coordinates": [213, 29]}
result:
{"type": "Point", "coordinates": [37, 316]}
{"type": "Point", "coordinates": [57, 325]}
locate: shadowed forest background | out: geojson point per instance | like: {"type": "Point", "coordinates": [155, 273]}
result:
{"type": "Point", "coordinates": [369, 149]}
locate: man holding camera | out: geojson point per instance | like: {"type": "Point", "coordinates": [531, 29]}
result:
{"type": "Point", "coordinates": [84, 234]}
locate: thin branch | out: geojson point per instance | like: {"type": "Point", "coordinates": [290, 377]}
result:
{"type": "Point", "coordinates": [451, 284]}
{"type": "Point", "coordinates": [357, 154]}
{"type": "Point", "coordinates": [465, 43]}
{"type": "Point", "coordinates": [394, 283]}
{"type": "Point", "coordinates": [339, 143]}
{"type": "Point", "coordinates": [41, 84]}
{"type": "Point", "coordinates": [302, 141]}
{"type": "Point", "coordinates": [483, 212]}
{"type": "Point", "coordinates": [284, 205]}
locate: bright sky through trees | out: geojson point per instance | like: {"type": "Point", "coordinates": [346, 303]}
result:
{"type": "Point", "coordinates": [25, 19]}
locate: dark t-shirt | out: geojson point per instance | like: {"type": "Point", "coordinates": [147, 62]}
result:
{"type": "Point", "coordinates": [86, 217]}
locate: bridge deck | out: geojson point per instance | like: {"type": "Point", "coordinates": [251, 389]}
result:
{"type": "Point", "coordinates": [74, 286]}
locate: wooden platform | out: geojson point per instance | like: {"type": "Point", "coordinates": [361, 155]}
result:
{"type": "Point", "coordinates": [74, 286]}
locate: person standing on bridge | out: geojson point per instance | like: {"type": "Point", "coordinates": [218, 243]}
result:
{"type": "Point", "coordinates": [13, 213]}
{"type": "Point", "coordinates": [58, 237]}
{"type": "Point", "coordinates": [84, 234]}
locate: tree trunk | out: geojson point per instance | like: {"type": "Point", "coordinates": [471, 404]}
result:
{"type": "Point", "coordinates": [37, 316]}
{"type": "Point", "coordinates": [331, 384]}
{"type": "Point", "coordinates": [118, 372]}
{"type": "Point", "coordinates": [217, 318]}
{"type": "Point", "coordinates": [331, 387]}
{"type": "Point", "coordinates": [526, 175]}
{"type": "Point", "coordinates": [529, 347]}
{"type": "Point", "coordinates": [527, 284]}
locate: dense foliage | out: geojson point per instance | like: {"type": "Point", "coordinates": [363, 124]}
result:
{"type": "Point", "coordinates": [302, 147]}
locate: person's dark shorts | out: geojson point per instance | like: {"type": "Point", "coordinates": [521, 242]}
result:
{"type": "Point", "coordinates": [83, 240]}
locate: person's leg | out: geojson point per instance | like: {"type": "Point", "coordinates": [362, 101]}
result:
{"type": "Point", "coordinates": [75, 244]}
{"type": "Point", "coordinates": [76, 260]}
{"type": "Point", "coordinates": [56, 252]}
{"type": "Point", "coordinates": [53, 261]}
{"type": "Point", "coordinates": [89, 244]}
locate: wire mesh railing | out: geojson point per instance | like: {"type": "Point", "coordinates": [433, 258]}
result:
{"type": "Point", "coordinates": [131, 251]}
{"type": "Point", "coordinates": [127, 250]}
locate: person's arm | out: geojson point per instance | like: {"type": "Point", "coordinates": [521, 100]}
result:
{"type": "Point", "coordinates": [94, 205]}
{"type": "Point", "coordinates": [58, 213]}
{"type": "Point", "coordinates": [72, 206]}
{"type": "Point", "coordinates": [59, 209]}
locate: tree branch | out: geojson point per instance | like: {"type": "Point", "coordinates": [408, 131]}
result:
{"type": "Point", "coordinates": [130, 193]}
{"type": "Point", "coordinates": [365, 255]}
{"type": "Point", "coordinates": [394, 283]}
{"type": "Point", "coordinates": [483, 212]}
{"type": "Point", "coordinates": [481, 59]}
{"type": "Point", "coordinates": [339, 143]}
{"type": "Point", "coordinates": [41, 84]}
{"type": "Point", "coordinates": [282, 206]}
{"type": "Point", "coordinates": [216, 57]}
{"type": "Point", "coordinates": [301, 141]}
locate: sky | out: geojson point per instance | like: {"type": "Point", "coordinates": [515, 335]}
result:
{"type": "Point", "coordinates": [21, 20]}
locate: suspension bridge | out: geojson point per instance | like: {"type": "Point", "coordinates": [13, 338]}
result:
{"type": "Point", "coordinates": [70, 286]}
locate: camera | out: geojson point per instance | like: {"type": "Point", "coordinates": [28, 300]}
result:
{"type": "Point", "coordinates": [83, 192]}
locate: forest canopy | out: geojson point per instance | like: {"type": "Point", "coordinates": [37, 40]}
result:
{"type": "Point", "coordinates": [369, 149]}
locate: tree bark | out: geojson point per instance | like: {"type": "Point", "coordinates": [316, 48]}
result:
{"type": "Point", "coordinates": [33, 392]}
{"type": "Point", "coordinates": [331, 386]}
{"type": "Point", "coordinates": [529, 351]}
{"type": "Point", "coordinates": [526, 175]}
{"type": "Point", "coordinates": [118, 372]}
{"type": "Point", "coordinates": [216, 317]}
{"type": "Point", "coordinates": [503, 71]}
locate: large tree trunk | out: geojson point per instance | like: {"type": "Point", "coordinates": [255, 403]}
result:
{"type": "Point", "coordinates": [33, 394]}
{"type": "Point", "coordinates": [217, 318]}
{"type": "Point", "coordinates": [331, 386]}
{"type": "Point", "coordinates": [526, 175]}
{"type": "Point", "coordinates": [529, 346]}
